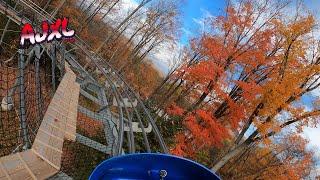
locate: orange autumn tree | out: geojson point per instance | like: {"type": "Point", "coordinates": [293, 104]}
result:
{"type": "Point", "coordinates": [256, 64]}
{"type": "Point", "coordinates": [287, 159]}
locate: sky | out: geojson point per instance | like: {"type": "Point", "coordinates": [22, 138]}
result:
{"type": "Point", "coordinates": [314, 5]}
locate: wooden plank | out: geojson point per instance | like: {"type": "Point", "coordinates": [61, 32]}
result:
{"type": "Point", "coordinates": [22, 174]}
{"type": "Point", "coordinates": [39, 167]}
{"type": "Point", "coordinates": [42, 169]}
{"type": "Point", "coordinates": [18, 175]}
{"type": "Point", "coordinates": [30, 158]}
{"type": "Point", "coordinates": [12, 164]}
{"type": "Point", "coordinates": [59, 121]}
{"type": "Point", "coordinates": [3, 172]}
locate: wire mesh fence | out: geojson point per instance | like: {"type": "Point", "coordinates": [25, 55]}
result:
{"type": "Point", "coordinates": [25, 93]}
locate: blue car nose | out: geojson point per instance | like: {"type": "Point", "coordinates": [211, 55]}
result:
{"type": "Point", "coordinates": [148, 166]}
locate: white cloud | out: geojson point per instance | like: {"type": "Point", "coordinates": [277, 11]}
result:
{"type": "Point", "coordinates": [129, 4]}
{"type": "Point", "coordinates": [202, 22]}
{"type": "Point", "coordinates": [166, 55]}
{"type": "Point", "coordinates": [199, 21]}
{"type": "Point", "coordinates": [206, 13]}
{"type": "Point", "coordinates": [186, 32]}
{"type": "Point", "coordinates": [314, 135]}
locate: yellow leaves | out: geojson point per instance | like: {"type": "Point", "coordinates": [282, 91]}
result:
{"type": "Point", "coordinates": [276, 92]}
{"type": "Point", "coordinates": [267, 127]}
{"type": "Point", "coordinates": [295, 28]}
{"type": "Point", "coordinates": [311, 119]}
{"type": "Point", "coordinates": [287, 159]}
{"type": "Point", "coordinates": [295, 37]}
{"type": "Point", "coordinates": [302, 26]}
{"type": "Point", "coordinates": [264, 151]}
{"type": "Point", "coordinates": [266, 141]}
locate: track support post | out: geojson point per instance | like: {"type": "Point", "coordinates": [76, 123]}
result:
{"type": "Point", "coordinates": [22, 104]}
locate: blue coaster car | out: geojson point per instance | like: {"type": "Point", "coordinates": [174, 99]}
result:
{"type": "Point", "coordinates": [149, 166]}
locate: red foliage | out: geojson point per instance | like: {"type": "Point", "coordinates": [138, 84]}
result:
{"type": "Point", "coordinates": [203, 132]}
{"type": "Point", "coordinates": [173, 109]}
{"type": "Point", "coordinates": [181, 147]}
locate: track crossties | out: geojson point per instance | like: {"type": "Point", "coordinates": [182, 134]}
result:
{"type": "Point", "coordinates": [59, 123]}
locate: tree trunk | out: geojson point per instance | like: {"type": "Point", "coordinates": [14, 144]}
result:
{"type": "Point", "coordinates": [108, 38]}
{"type": "Point", "coordinates": [159, 87]}
{"type": "Point", "coordinates": [234, 152]}
{"type": "Point", "coordinates": [183, 94]}
{"type": "Point", "coordinates": [174, 90]}
{"type": "Point", "coordinates": [114, 4]}
{"type": "Point", "coordinates": [201, 99]}
{"type": "Point", "coordinates": [248, 123]}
